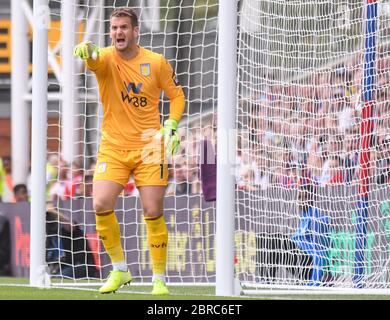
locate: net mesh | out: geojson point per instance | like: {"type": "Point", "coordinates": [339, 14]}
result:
{"type": "Point", "coordinates": [185, 33]}
{"type": "Point", "coordinates": [301, 68]}
{"type": "Point", "coordinates": [299, 115]}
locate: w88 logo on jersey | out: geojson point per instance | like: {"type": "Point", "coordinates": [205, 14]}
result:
{"type": "Point", "coordinates": [135, 101]}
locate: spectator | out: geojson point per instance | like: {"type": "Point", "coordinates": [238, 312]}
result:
{"type": "Point", "coordinates": [84, 187]}
{"type": "Point", "coordinates": [208, 170]}
{"type": "Point", "coordinates": [290, 177]}
{"type": "Point", "coordinates": [2, 178]}
{"type": "Point", "coordinates": [130, 189]}
{"type": "Point", "coordinates": [178, 184]}
{"type": "Point", "coordinates": [51, 173]}
{"type": "Point", "coordinates": [313, 235]}
{"type": "Point", "coordinates": [346, 118]}
{"type": "Point", "coordinates": [336, 145]}
{"type": "Point", "coordinates": [68, 253]}
{"type": "Point", "coordinates": [20, 193]}
{"type": "Point", "coordinates": [76, 179]}
{"type": "Point", "coordinates": [246, 179]}
{"type": "Point", "coordinates": [383, 161]}
{"type": "Point", "coordinates": [351, 158]}
{"type": "Point", "coordinates": [88, 186]}
{"type": "Point", "coordinates": [62, 189]}
{"type": "Point", "coordinates": [332, 172]}
{"type": "Point", "coordinates": [92, 167]}
{"type": "Point", "coordinates": [306, 252]}
{"type": "Point", "coordinates": [171, 181]}
{"type": "Point", "coordinates": [7, 189]}
{"type": "Point", "coordinates": [261, 174]}
{"type": "Point", "coordinates": [5, 247]}
{"type": "Point", "coordinates": [193, 179]}
{"type": "Point", "coordinates": [314, 161]}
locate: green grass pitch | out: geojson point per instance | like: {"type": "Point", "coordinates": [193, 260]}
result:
{"type": "Point", "coordinates": [18, 289]}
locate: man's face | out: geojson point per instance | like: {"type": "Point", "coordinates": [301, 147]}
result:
{"type": "Point", "coordinates": [122, 33]}
{"type": "Point", "coordinates": [304, 200]}
{"type": "Point", "coordinates": [7, 165]}
{"type": "Point", "coordinates": [385, 148]}
{"type": "Point", "coordinates": [21, 195]}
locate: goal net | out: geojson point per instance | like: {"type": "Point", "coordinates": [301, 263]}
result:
{"type": "Point", "coordinates": [313, 128]}
{"type": "Point", "coordinates": [185, 32]}
{"type": "Point", "coordinates": [312, 169]}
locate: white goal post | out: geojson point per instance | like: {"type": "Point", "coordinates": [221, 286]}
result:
{"type": "Point", "coordinates": [38, 270]}
{"type": "Point", "coordinates": [312, 119]}
{"type": "Point", "coordinates": [293, 95]}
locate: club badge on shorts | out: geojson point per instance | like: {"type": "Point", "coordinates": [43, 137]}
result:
{"type": "Point", "coordinates": [102, 167]}
{"type": "Point", "coordinates": [145, 69]}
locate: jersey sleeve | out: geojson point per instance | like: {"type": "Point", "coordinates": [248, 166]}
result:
{"type": "Point", "coordinates": [172, 88]}
{"type": "Point", "coordinates": [99, 65]}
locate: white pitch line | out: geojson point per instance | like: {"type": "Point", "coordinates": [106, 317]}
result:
{"type": "Point", "coordinates": [95, 290]}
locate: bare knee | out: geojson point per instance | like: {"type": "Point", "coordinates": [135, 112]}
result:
{"type": "Point", "coordinates": [105, 194]}
{"type": "Point", "coordinates": [152, 211]}
{"type": "Point", "coordinates": [101, 205]}
{"type": "Point", "coordinates": [152, 198]}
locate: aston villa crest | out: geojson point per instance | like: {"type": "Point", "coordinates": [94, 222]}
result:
{"type": "Point", "coordinates": [145, 69]}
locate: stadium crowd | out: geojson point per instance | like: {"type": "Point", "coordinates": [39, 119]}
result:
{"type": "Point", "coordinates": [308, 129]}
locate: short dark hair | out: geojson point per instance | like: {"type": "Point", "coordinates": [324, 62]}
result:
{"type": "Point", "coordinates": [309, 193]}
{"type": "Point", "coordinates": [308, 187]}
{"type": "Point", "coordinates": [19, 187]}
{"type": "Point", "coordinates": [126, 12]}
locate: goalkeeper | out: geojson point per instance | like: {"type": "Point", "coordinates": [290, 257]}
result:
{"type": "Point", "coordinates": [130, 80]}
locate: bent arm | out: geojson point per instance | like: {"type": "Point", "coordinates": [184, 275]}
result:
{"type": "Point", "coordinates": [173, 90]}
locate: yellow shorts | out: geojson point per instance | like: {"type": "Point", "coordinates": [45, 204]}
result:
{"type": "Point", "coordinates": [148, 165]}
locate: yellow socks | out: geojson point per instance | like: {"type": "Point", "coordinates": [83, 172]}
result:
{"type": "Point", "coordinates": [108, 230]}
{"type": "Point", "coordinates": [158, 243]}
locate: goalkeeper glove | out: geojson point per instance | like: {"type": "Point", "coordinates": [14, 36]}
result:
{"type": "Point", "coordinates": [171, 137]}
{"type": "Point", "coordinates": [86, 50]}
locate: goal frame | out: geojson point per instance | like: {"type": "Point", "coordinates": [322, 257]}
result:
{"type": "Point", "coordinates": [38, 268]}
{"type": "Point", "coordinates": [225, 206]}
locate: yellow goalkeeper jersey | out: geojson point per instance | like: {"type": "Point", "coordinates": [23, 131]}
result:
{"type": "Point", "coordinates": [130, 92]}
